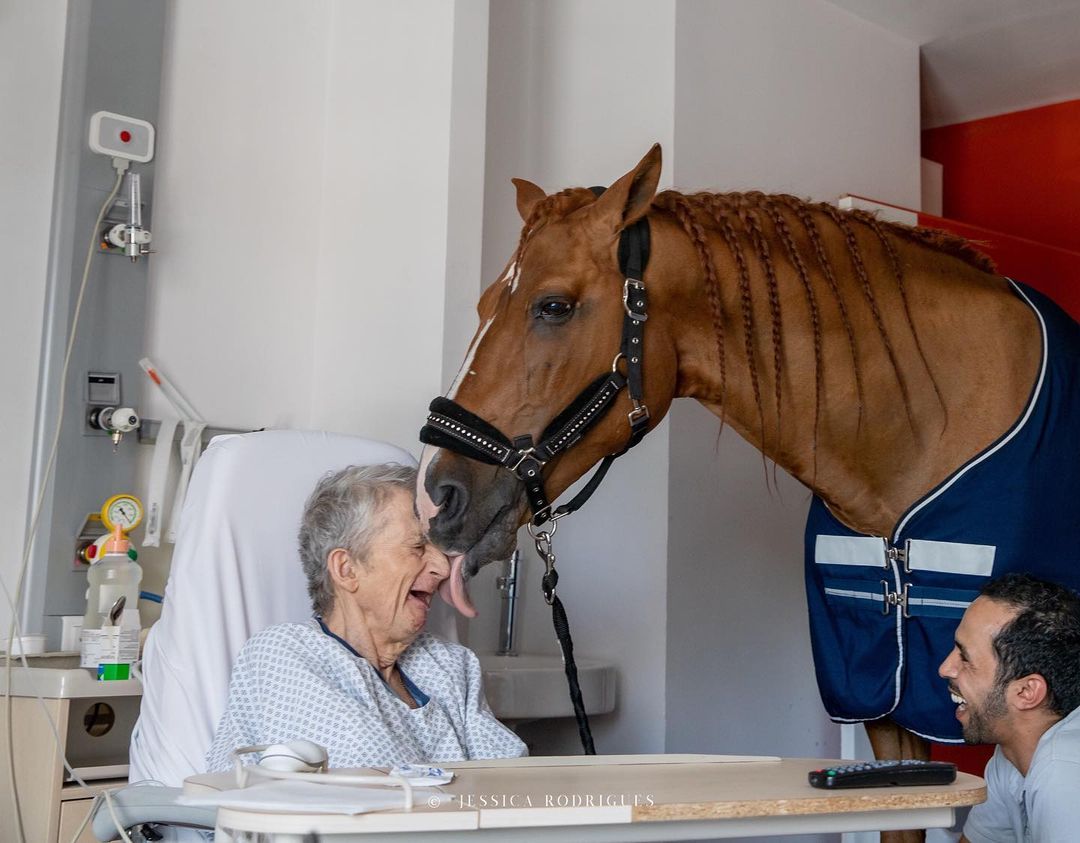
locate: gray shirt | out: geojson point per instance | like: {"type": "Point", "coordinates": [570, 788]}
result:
{"type": "Point", "coordinates": [1042, 807]}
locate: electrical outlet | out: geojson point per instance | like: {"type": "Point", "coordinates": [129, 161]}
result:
{"type": "Point", "coordinates": [70, 629]}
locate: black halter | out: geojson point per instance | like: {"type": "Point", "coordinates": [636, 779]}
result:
{"type": "Point", "coordinates": [449, 425]}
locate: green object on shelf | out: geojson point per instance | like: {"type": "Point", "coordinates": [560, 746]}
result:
{"type": "Point", "coordinates": [114, 671]}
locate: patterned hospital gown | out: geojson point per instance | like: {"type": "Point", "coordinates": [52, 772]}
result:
{"type": "Point", "coordinates": [295, 681]}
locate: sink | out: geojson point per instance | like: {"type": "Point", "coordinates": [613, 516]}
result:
{"type": "Point", "coordinates": [533, 687]}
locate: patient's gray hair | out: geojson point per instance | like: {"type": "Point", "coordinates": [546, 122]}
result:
{"type": "Point", "coordinates": [343, 512]}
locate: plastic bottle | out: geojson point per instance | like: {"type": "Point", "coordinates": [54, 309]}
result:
{"type": "Point", "coordinates": [113, 575]}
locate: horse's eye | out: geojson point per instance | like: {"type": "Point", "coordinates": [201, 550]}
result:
{"type": "Point", "coordinates": [554, 309]}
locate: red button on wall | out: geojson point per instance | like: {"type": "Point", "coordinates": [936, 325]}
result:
{"type": "Point", "coordinates": [125, 136]}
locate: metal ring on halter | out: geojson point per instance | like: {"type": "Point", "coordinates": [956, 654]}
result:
{"type": "Point", "coordinates": [537, 533]}
{"type": "Point", "coordinates": [615, 362]}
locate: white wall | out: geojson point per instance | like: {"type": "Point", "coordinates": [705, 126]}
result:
{"type": "Point", "coordinates": [31, 36]}
{"type": "Point", "coordinates": [304, 148]}
{"type": "Point", "coordinates": [577, 92]}
{"type": "Point", "coordinates": [796, 96]}
{"type": "Point", "coordinates": [468, 145]}
{"type": "Point", "coordinates": [781, 96]}
{"type": "Point", "coordinates": [302, 211]}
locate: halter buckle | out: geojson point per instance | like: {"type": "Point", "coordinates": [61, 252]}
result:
{"type": "Point", "coordinates": [639, 413]}
{"type": "Point", "coordinates": [635, 310]}
{"type": "Point", "coordinates": [528, 453]}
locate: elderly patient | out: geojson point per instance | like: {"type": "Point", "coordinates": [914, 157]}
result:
{"type": "Point", "coordinates": [362, 678]}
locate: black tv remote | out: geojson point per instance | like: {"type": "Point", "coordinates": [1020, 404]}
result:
{"type": "Point", "coordinates": [884, 774]}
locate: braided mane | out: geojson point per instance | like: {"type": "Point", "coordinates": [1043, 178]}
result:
{"type": "Point", "coordinates": [746, 224]}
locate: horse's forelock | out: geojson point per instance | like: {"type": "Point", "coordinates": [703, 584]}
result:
{"type": "Point", "coordinates": [552, 208]}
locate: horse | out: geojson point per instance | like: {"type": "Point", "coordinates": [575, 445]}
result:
{"type": "Point", "coordinates": [878, 364]}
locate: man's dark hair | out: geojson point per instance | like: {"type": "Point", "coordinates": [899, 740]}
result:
{"type": "Point", "coordinates": [1043, 638]}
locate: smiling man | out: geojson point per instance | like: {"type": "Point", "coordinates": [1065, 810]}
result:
{"type": "Point", "coordinates": [1015, 676]}
{"type": "Point", "coordinates": [362, 678]}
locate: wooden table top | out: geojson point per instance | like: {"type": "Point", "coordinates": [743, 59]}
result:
{"type": "Point", "coordinates": [703, 788]}
{"type": "Point", "coordinates": [652, 788]}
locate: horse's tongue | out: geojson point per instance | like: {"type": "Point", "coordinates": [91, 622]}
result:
{"type": "Point", "coordinates": [453, 589]}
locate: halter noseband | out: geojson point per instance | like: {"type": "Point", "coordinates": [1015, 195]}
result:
{"type": "Point", "coordinates": [449, 425]}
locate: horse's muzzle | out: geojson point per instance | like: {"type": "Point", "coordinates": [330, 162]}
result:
{"type": "Point", "coordinates": [468, 507]}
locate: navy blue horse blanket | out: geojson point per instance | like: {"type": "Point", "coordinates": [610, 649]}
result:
{"type": "Point", "coordinates": [883, 610]}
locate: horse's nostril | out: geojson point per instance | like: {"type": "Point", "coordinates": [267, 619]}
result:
{"type": "Point", "coordinates": [453, 498]}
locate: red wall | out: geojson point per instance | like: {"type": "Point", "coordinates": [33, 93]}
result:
{"type": "Point", "coordinates": [1016, 173]}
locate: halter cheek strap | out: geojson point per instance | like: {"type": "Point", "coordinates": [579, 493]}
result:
{"type": "Point", "coordinates": [449, 425]}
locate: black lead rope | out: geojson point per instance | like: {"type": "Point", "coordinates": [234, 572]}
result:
{"type": "Point", "coordinates": [562, 632]}
{"type": "Point", "coordinates": [451, 426]}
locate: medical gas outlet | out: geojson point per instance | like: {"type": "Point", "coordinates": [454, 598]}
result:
{"type": "Point", "coordinates": [116, 421]}
{"type": "Point", "coordinates": [133, 240]}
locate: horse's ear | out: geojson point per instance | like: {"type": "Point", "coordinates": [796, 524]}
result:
{"type": "Point", "coordinates": [528, 194]}
{"type": "Point", "coordinates": [628, 200]}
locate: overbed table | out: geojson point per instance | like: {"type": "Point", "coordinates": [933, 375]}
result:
{"type": "Point", "coordinates": [618, 798]}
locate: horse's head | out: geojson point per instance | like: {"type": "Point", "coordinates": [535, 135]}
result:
{"type": "Point", "coordinates": [548, 328]}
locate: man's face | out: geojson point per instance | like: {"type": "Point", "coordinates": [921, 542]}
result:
{"type": "Point", "coordinates": [971, 669]}
{"type": "Point", "coordinates": [401, 573]}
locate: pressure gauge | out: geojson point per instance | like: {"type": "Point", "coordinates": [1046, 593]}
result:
{"type": "Point", "coordinates": [125, 511]}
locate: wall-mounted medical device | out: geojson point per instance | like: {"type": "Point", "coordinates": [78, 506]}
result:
{"type": "Point", "coordinates": [127, 235]}
{"type": "Point", "coordinates": [129, 140]}
{"type": "Point", "coordinates": [103, 411]}
{"type": "Point", "coordinates": [122, 137]}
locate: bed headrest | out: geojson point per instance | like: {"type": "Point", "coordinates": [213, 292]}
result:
{"type": "Point", "coordinates": [235, 570]}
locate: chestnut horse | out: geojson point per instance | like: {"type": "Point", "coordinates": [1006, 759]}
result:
{"type": "Point", "coordinates": [869, 360]}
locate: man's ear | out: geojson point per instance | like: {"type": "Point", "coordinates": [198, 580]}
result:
{"type": "Point", "coordinates": [1029, 692]}
{"type": "Point", "coordinates": [628, 200]}
{"type": "Point", "coordinates": [343, 570]}
{"type": "Point", "coordinates": [528, 194]}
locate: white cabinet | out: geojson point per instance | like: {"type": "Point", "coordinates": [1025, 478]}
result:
{"type": "Point", "coordinates": [94, 722]}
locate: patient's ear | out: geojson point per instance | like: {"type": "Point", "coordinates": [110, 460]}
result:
{"type": "Point", "coordinates": [343, 570]}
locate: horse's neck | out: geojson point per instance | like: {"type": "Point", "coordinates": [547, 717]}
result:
{"type": "Point", "coordinates": [876, 448]}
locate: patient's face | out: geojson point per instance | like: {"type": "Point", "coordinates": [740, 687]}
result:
{"type": "Point", "coordinates": [401, 573]}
